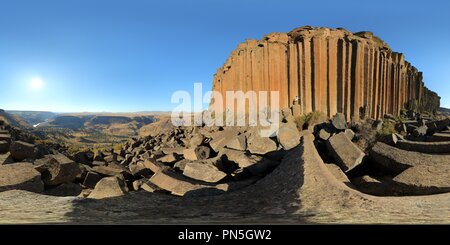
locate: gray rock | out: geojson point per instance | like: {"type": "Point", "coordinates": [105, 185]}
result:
{"type": "Point", "coordinates": [350, 134]}
{"type": "Point", "coordinates": [20, 176]}
{"type": "Point", "coordinates": [91, 179]}
{"type": "Point", "coordinates": [153, 165]}
{"type": "Point", "coordinates": [109, 187]}
{"type": "Point", "coordinates": [112, 169]}
{"type": "Point", "coordinates": [339, 121]}
{"type": "Point", "coordinates": [288, 137]}
{"type": "Point", "coordinates": [204, 171]}
{"type": "Point", "coordinates": [65, 190]}
{"type": "Point", "coordinates": [4, 146]}
{"type": "Point", "coordinates": [324, 134]}
{"type": "Point", "coordinates": [21, 150]}
{"type": "Point", "coordinates": [396, 160]}
{"type": "Point", "coordinates": [238, 143]}
{"type": "Point", "coordinates": [260, 145]}
{"type": "Point", "coordinates": [346, 154]}
{"type": "Point", "coordinates": [58, 169]}
{"type": "Point", "coordinates": [171, 158]}
{"type": "Point", "coordinates": [424, 179]}
{"type": "Point", "coordinates": [420, 131]}
{"type": "Point", "coordinates": [6, 158]}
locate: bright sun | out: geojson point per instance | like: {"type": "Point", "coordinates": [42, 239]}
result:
{"type": "Point", "coordinates": [37, 83]}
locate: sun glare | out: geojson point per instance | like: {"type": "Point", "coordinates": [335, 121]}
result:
{"type": "Point", "coordinates": [36, 83]}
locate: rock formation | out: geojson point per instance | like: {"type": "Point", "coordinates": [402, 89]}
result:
{"type": "Point", "coordinates": [330, 70]}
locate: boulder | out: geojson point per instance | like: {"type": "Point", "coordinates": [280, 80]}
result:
{"type": "Point", "coordinates": [324, 134]}
{"type": "Point", "coordinates": [396, 160]}
{"type": "Point", "coordinates": [260, 145]}
{"type": "Point", "coordinates": [196, 140]}
{"type": "Point", "coordinates": [420, 131]}
{"type": "Point", "coordinates": [6, 158]}
{"type": "Point", "coordinates": [153, 165]}
{"type": "Point", "coordinates": [20, 176]}
{"type": "Point", "coordinates": [256, 165]}
{"type": "Point", "coordinates": [180, 164]}
{"type": "Point", "coordinates": [221, 138]}
{"type": "Point", "coordinates": [98, 156]}
{"type": "Point", "coordinates": [204, 171]}
{"type": "Point", "coordinates": [112, 169]}
{"type": "Point", "coordinates": [424, 179]}
{"type": "Point", "coordinates": [109, 187]}
{"type": "Point", "coordinates": [4, 146]}
{"type": "Point", "coordinates": [288, 137]}
{"type": "Point", "coordinates": [339, 122]}
{"type": "Point", "coordinates": [5, 137]}
{"type": "Point", "coordinates": [171, 158]}
{"type": "Point", "coordinates": [138, 183]}
{"type": "Point", "coordinates": [85, 157]}
{"type": "Point", "coordinates": [346, 154]}
{"type": "Point", "coordinates": [424, 147]}
{"type": "Point", "coordinates": [57, 169]}
{"type": "Point", "coordinates": [175, 184]}
{"type": "Point", "coordinates": [149, 187]}
{"type": "Point", "coordinates": [350, 134]}
{"type": "Point", "coordinates": [21, 150]}
{"type": "Point", "coordinates": [91, 179]}
{"type": "Point", "coordinates": [111, 158]}
{"type": "Point", "coordinates": [198, 153]}
{"type": "Point", "coordinates": [238, 143]}
{"type": "Point", "coordinates": [138, 170]}
{"type": "Point", "coordinates": [64, 190]}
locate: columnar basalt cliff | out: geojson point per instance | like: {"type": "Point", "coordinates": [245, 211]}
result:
{"type": "Point", "coordinates": [330, 70]}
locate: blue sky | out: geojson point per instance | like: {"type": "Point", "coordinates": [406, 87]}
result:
{"type": "Point", "coordinates": [131, 55]}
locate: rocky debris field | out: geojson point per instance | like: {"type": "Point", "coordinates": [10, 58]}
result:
{"type": "Point", "coordinates": [411, 159]}
{"type": "Point", "coordinates": [220, 165]}
{"type": "Point", "coordinates": [188, 161]}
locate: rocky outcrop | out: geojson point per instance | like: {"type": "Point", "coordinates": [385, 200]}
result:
{"type": "Point", "coordinates": [330, 70]}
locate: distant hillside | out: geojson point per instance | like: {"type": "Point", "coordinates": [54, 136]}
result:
{"type": "Point", "coordinates": [90, 128]}
{"type": "Point", "coordinates": [13, 120]}
{"type": "Point", "coordinates": [445, 111]}
{"type": "Point", "coordinates": [33, 117]}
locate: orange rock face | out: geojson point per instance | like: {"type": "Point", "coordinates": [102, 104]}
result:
{"type": "Point", "coordinates": [330, 70]}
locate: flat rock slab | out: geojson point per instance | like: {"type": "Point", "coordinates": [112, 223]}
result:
{"type": "Point", "coordinates": [301, 190]}
{"type": "Point", "coordinates": [260, 145]}
{"type": "Point", "coordinates": [397, 160]}
{"type": "Point", "coordinates": [438, 137]}
{"type": "Point", "coordinates": [20, 176]}
{"type": "Point", "coordinates": [424, 147]}
{"type": "Point", "coordinates": [424, 179]}
{"type": "Point", "coordinates": [346, 154]}
{"type": "Point", "coordinates": [204, 171]}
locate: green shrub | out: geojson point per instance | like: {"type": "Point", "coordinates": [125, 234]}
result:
{"type": "Point", "coordinates": [311, 118]}
{"type": "Point", "coordinates": [387, 129]}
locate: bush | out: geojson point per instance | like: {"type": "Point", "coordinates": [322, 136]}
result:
{"type": "Point", "coordinates": [312, 118]}
{"type": "Point", "coordinates": [388, 128]}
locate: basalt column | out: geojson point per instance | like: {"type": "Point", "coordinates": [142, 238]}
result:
{"type": "Point", "coordinates": [329, 70]}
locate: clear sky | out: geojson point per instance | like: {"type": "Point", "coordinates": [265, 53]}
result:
{"type": "Point", "coordinates": [131, 55]}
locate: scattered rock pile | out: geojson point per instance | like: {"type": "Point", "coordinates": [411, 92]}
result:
{"type": "Point", "coordinates": [412, 160]}
{"type": "Point", "coordinates": [184, 161]}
